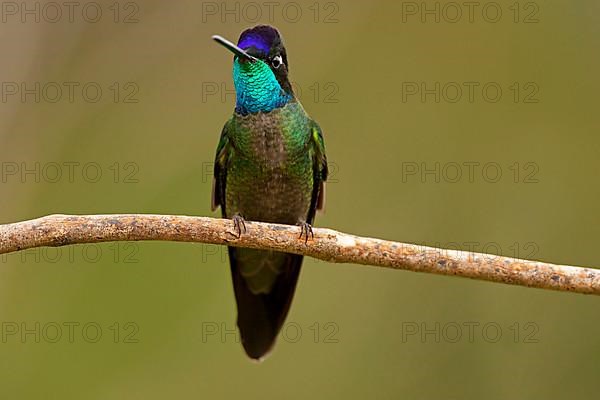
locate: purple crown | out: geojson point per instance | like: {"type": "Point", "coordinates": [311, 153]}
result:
{"type": "Point", "coordinates": [261, 37]}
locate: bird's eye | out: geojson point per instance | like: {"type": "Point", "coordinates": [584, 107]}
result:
{"type": "Point", "coordinates": [276, 61]}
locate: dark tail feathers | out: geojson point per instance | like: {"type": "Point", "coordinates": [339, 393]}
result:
{"type": "Point", "coordinates": [260, 316]}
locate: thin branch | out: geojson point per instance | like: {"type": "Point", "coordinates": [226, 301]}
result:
{"type": "Point", "coordinates": [328, 245]}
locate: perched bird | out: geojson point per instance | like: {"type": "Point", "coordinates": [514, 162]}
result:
{"type": "Point", "coordinates": [270, 166]}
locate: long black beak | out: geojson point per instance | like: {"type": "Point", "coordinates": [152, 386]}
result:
{"type": "Point", "coordinates": [233, 48]}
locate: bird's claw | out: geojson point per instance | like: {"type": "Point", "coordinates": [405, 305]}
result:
{"type": "Point", "coordinates": [305, 230]}
{"type": "Point", "coordinates": [239, 225]}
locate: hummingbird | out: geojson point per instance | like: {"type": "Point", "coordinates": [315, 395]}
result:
{"type": "Point", "coordinates": [270, 166]}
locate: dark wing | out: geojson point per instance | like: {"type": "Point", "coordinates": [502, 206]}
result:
{"type": "Point", "coordinates": [320, 171]}
{"type": "Point", "coordinates": [220, 172]}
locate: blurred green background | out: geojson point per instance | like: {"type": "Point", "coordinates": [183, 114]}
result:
{"type": "Point", "coordinates": [166, 310]}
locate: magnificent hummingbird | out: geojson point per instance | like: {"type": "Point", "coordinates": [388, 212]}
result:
{"type": "Point", "coordinates": [270, 166]}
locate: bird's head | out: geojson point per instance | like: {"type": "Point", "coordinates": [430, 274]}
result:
{"type": "Point", "coordinates": [260, 70]}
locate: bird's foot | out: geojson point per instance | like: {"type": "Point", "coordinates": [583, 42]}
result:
{"type": "Point", "coordinates": [306, 230]}
{"type": "Point", "coordinates": [239, 224]}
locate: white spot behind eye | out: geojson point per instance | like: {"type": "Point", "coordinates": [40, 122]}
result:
{"type": "Point", "coordinates": [277, 61]}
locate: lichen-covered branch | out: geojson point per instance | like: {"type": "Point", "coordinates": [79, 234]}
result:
{"type": "Point", "coordinates": [328, 245]}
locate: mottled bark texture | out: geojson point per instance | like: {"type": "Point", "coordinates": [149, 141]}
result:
{"type": "Point", "coordinates": [328, 245]}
